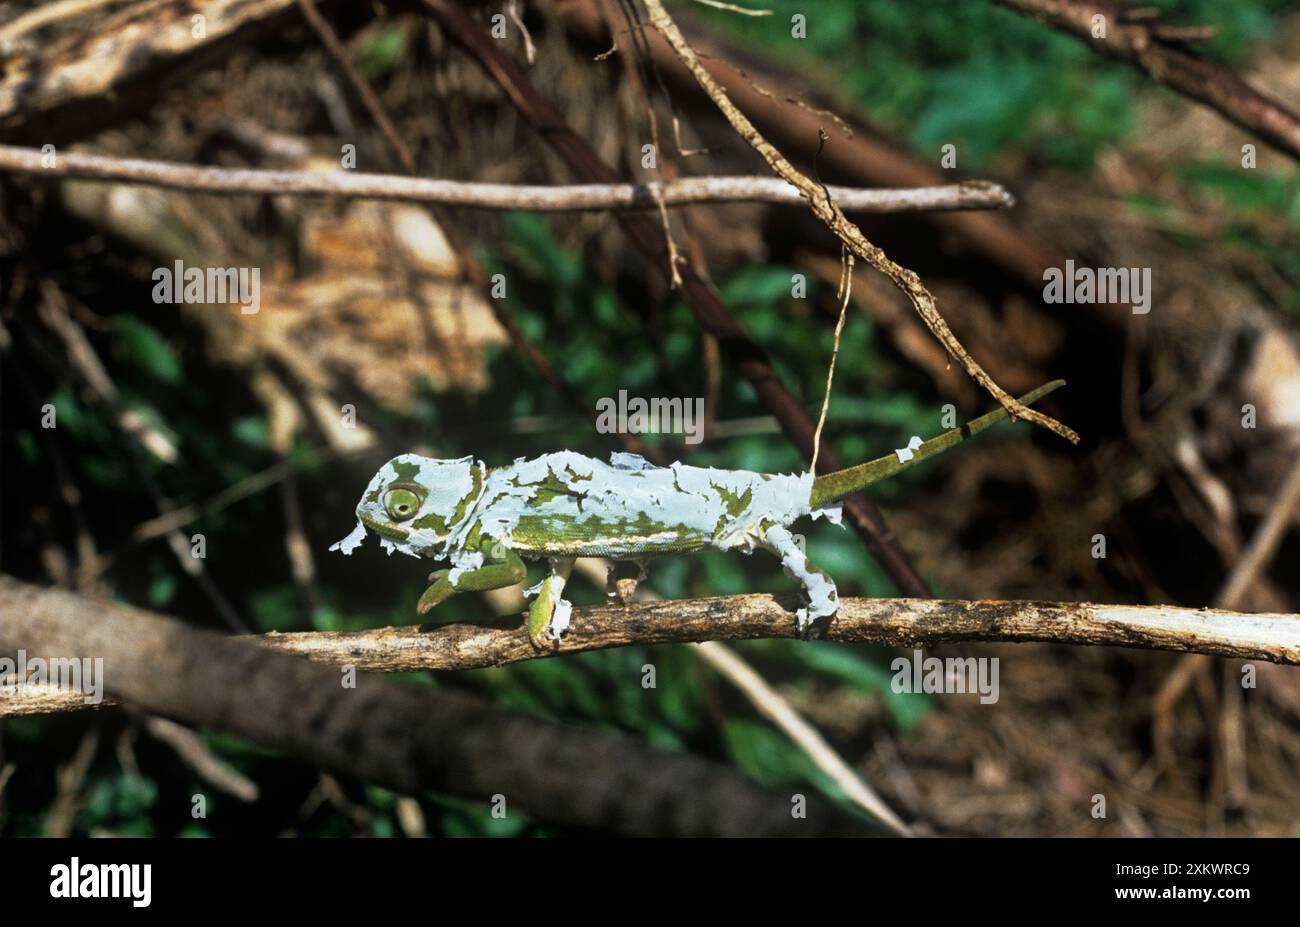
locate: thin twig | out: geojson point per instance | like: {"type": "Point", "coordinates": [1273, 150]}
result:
{"type": "Point", "coordinates": [774, 706]}
{"type": "Point", "coordinates": [190, 747]}
{"type": "Point", "coordinates": [973, 194]}
{"type": "Point", "coordinates": [777, 709]}
{"type": "Point", "coordinates": [369, 99]}
{"type": "Point", "coordinates": [825, 208]}
{"type": "Point", "coordinates": [846, 291]}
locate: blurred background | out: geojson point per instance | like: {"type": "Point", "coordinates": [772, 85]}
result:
{"type": "Point", "coordinates": [182, 420]}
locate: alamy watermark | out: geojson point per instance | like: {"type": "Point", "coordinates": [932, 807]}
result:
{"type": "Point", "coordinates": [77, 674]}
{"type": "Point", "coordinates": [635, 415]}
{"type": "Point", "coordinates": [240, 286]}
{"type": "Point", "coordinates": [1117, 285]}
{"type": "Point", "coordinates": [76, 879]}
{"type": "Point", "coordinates": [948, 676]}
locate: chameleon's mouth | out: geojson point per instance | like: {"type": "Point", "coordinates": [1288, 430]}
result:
{"type": "Point", "coordinates": [384, 529]}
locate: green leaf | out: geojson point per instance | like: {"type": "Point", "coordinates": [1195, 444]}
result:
{"type": "Point", "coordinates": [147, 349]}
{"type": "Point", "coordinates": [381, 51]}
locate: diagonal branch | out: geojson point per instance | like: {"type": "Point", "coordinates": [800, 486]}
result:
{"type": "Point", "coordinates": [1152, 48]}
{"type": "Point", "coordinates": [826, 209]}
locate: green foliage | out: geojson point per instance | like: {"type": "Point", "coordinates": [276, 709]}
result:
{"type": "Point", "coordinates": [382, 50]}
{"type": "Point", "coordinates": [146, 349]}
{"type": "Point", "coordinates": [978, 76]}
{"type": "Point", "coordinates": [120, 804]}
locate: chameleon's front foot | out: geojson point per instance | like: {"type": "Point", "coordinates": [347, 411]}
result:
{"type": "Point", "coordinates": [503, 568]}
{"type": "Point", "coordinates": [549, 612]}
{"type": "Point", "coordinates": [440, 590]}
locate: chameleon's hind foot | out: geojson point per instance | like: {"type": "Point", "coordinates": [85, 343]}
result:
{"type": "Point", "coordinates": [818, 589]}
{"type": "Point", "coordinates": [549, 612]}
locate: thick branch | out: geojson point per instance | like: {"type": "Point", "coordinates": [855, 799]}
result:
{"type": "Point", "coordinates": [892, 622]}
{"type": "Point", "coordinates": [569, 198]}
{"type": "Point", "coordinates": [1139, 42]}
{"type": "Point", "coordinates": [406, 738]}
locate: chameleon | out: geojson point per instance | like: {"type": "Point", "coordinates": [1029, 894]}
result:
{"type": "Point", "coordinates": [485, 521]}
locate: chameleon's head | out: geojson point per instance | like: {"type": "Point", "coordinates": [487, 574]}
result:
{"type": "Point", "coordinates": [416, 503]}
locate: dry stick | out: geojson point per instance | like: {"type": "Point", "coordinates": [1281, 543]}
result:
{"type": "Point", "coordinates": [973, 194]}
{"type": "Point", "coordinates": [826, 209]}
{"type": "Point", "coordinates": [704, 304]}
{"type": "Point", "coordinates": [846, 291]}
{"type": "Point", "coordinates": [772, 705]}
{"type": "Point", "coordinates": [1139, 44]}
{"type": "Point", "coordinates": [890, 622]}
{"type": "Point", "coordinates": [777, 709]}
{"type": "Point", "coordinates": [1253, 560]}
{"type": "Point", "coordinates": [754, 85]}
{"type": "Point", "coordinates": [190, 747]}
{"type": "Point", "coordinates": [405, 738]}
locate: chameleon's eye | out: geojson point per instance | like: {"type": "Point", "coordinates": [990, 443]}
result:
{"type": "Point", "coordinates": [401, 504]}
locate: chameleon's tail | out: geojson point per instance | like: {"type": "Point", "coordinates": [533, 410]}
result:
{"type": "Point", "coordinates": [837, 485]}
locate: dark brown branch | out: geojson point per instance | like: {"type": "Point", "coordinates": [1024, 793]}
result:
{"type": "Point", "coordinates": [406, 738]}
{"type": "Point", "coordinates": [647, 237]}
{"type": "Point", "coordinates": [1142, 44]}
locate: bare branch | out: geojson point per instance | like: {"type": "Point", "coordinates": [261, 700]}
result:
{"type": "Point", "coordinates": [825, 208]}
{"type": "Point", "coordinates": [1148, 46]}
{"type": "Point", "coordinates": [891, 622]}
{"type": "Point", "coordinates": [974, 194]}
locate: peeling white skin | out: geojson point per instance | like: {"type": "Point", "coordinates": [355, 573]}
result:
{"type": "Point", "coordinates": [560, 618]}
{"type": "Point", "coordinates": [629, 490]}
{"type": "Point", "coordinates": [586, 507]}
{"type": "Point", "coordinates": [352, 541]}
{"type": "Point", "coordinates": [904, 454]}
{"type": "Point", "coordinates": [823, 597]}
